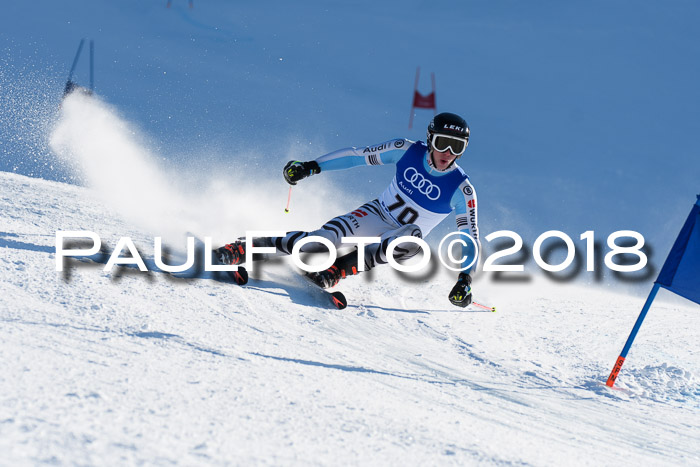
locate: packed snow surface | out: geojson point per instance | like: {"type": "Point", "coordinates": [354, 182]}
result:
{"type": "Point", "coordinates": [197, 110]}
{"type": "Point", "coordinates": [141, 367]}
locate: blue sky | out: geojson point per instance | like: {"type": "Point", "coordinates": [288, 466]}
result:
{"type": "Point", "coordinates": [583, 114]}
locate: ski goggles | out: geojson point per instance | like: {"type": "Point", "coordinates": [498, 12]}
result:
{"type": "Point", "coordinates": [443, 142]}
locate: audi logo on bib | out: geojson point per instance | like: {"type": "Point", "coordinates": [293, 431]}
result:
{"type": "Point", "coordinates": [419, 182]}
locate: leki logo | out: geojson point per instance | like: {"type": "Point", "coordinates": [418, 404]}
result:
{"type": "Point", "coordinates": [471, 203]}
{"type": "Point", "coordinates": [453, 127]}
{"type": "Point", "coordinates": [419, 182]}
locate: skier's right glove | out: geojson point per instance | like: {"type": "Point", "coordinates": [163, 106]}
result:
{"type": "Point", "coordinates": [461, 293]}
{"type": "Point", "coordinates": [295, 171]}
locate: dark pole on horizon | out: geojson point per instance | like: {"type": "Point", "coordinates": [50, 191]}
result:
{"type": "Point", "coordinates": [70, 84]}
{"type": "Point", "coordinates": [92, 65]}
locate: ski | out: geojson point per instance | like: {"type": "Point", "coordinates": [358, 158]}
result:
{"type": "Point", "coordinates": [337, 299]}
{"type": "Point", "coordinates": [240, 277]}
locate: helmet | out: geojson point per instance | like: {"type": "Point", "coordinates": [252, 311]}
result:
{"type": "Point", "coordinates": [447, 124]}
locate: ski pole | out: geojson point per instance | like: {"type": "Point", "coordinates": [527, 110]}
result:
{"type": "Point", "coordinates": [490, 308]}
{"type": "Point", "coordinates": [289, 199]}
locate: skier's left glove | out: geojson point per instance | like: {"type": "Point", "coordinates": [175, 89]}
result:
{"type": "Point", "coordinates": [461, 293]}
{"type": "Point", "coordinates": [295, 171]}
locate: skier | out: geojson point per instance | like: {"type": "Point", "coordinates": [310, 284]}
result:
{"type": "Point", "coordinates": [427, 187]}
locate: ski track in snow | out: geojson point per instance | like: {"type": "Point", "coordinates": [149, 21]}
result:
{"type": "Point", "coordinates": [143, 367]}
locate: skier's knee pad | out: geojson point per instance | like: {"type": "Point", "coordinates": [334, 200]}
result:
{"type": "Point", "coordinates": [404, 250]}
{"type": "Point", "coordinates": [408, 230]}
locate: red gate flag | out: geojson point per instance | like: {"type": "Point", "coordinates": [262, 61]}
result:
{"type": "Point", "coordinates": [421, 101]}
{"type": "Point", "coordinates": [681, 272]}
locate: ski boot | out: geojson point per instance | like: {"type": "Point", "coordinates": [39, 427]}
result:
{"type": "Point", "coordinates": [234, 253]}
{"type": "Point", "coordinates": [231, 254]}
{"type": "Point", "coordinates": [343, 267]}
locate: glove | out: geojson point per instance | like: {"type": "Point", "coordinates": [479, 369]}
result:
{"type": "Point", "coordinates": [295, 171]}
{"type": "Point", "coordinates": [461, 293]}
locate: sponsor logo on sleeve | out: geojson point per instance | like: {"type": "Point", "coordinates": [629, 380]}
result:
{"type": "Point", "coordinates": [398, 144]}
{"type": "Point", "coordinates": [381, 147]}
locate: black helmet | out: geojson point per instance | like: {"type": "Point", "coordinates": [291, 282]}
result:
{"type": "Point", "coordinates": [449, 124]}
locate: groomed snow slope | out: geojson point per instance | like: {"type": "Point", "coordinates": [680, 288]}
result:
{"type": "Point", "coordinates": [131, 367]}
